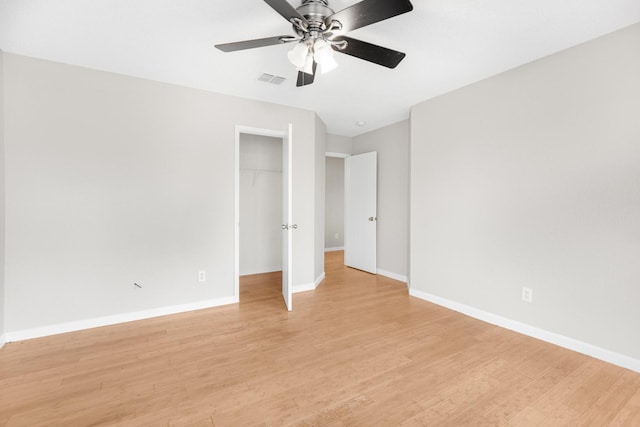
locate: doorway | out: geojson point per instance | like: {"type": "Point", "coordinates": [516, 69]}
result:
{"type": "Point", "coordinates": [263, 206]}
{"type": "Point", "coordinates": [260, 204]}
{"type": "Point", "coordinates": [334, 203]}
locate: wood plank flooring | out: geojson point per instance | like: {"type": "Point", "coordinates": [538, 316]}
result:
{"type": "Point", "coordinates": [357, 351]}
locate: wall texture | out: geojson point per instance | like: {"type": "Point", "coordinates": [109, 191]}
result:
{"type": "Point", "coordinates": [392, 145]}
{"type": "Point", "coordinates": [334, 203]}
{"type": "Point", "coordinates": [531, 178]}
{"type": "Point", "coordinates": [260, 204]}
{"type": "Point", "coordinates": [2, 201]}
{"type": "Point", "coordinates": [113, 180]}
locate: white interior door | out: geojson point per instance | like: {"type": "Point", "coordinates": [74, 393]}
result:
{"type": "Point", "coordinates": [287, 213]}
{"type": "Point", "coordinates": [361, 189]}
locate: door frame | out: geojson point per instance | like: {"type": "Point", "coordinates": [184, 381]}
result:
{"type": "Point", "coordinates": [236, 202]}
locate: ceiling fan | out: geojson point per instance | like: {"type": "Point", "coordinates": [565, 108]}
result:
{"type": "Point", "coordinates": [320, 31]}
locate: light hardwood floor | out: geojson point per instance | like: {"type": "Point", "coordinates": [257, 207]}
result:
{"type": "Point", "coordinates": [358, 351]}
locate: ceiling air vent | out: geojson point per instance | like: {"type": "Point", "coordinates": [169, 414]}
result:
{"type": "Point", "coordinates": [270, 78]}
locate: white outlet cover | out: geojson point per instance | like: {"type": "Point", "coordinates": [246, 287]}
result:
{"type": "Point", "coordinates": [527, 294]}
{"type": "Point", "coordinates": [202, 276]}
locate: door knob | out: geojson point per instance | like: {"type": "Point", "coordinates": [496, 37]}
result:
{"type": "Point", "coordinates": [294, 226]}
{"type": "Point", "coordinates": [373, 218]}
{"type": "Point", "coordinates": [285, 227]}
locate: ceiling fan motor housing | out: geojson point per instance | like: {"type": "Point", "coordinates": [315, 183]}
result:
{"type": "Point", "coordinates": [315, 11]}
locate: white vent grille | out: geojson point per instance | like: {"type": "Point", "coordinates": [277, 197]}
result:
{"type": "Point", "coordinates": [270, 78]}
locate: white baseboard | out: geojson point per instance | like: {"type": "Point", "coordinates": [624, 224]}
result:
{"type": "Point", "coordinates": [541, 334]}
{"type": "Point", "coordinates": [261, 271]}
{"type": "Point", "coordinates": [303, 288]}
{"type": "Point", "coordinates": [308, 286]}
{"type": "Point", "coordinates": [62, 328]}
{"type": "Point", "coordinates": [337, 248]}
{"type": "Point", "coordinates": [391, 275]}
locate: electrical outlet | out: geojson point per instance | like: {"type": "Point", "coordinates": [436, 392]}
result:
{"type": "Point", "coordinates": [202, 276]}
{"type": "Point", "coordinates": [527, 294]}
{"type": "Point", "coordinates": [337, 236]}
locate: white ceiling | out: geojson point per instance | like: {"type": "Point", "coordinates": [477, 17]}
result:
{"type": "Point", "coordinates": [449, 44]}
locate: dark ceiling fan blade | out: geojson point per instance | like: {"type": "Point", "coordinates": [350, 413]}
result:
{"type": "Point", "coordinates": [368, 12]}
{"type": "Point", "coordinates": [305, 79]}
{"type": "Point", "coordinates": [369, 52]}
{"type": "Point", "coordinates": [250, 44]}
{"type": "Point", "coordinates": [288, 12]}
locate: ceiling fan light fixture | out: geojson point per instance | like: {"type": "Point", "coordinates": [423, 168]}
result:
{"type": "Point", "coordinates": [323, 54]}
{"type": "Point", "coordinates": [328, 64]}
{"type": "Point", "coordinates": [308, 65]}
{"type": "Point", "coordinates": [298, 55]}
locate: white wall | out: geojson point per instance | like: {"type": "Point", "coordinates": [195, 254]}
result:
{"type": "Point", "coordinates": [392, 145]}
{"type": "Point", "coordinates": [531, 178]}
{"type": "Point", "coordinates": [260, 204]}
{"type": "Point", "coordinates": [2, 199]}
{"type": "Point", "coordinates": [334, 203]}
{"type": "Point", "coordinates": [339, 144]}
{"type": "Point", "coordinates": [113, 180]}
{"type": "Point", "coordinates": [319, 173]}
